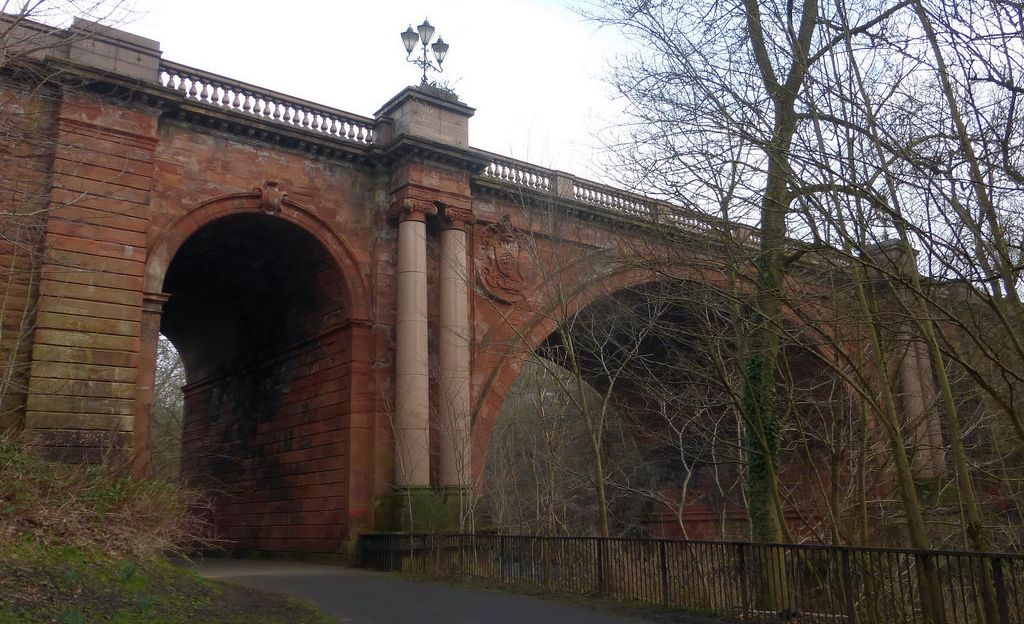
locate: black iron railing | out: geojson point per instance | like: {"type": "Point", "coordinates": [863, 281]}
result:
{"type": "Point", "coordinates": [809, 583]}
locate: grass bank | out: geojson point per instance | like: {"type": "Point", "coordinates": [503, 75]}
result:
{"type": "Point", "coordinates": [82, 544]}
{"type": "Point", "coordinates": [69, 585]}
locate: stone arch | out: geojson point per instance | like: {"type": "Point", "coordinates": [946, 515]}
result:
{"type": "Point", "coordinates": [803, 353]}
{"type": "Point", "coordinates": [503, 369]}
{"type": "Point", "coordinates": [269, 407]}
{"type": "Point", "coordinates": [170, 240]}
{"type": "Point", "coordinates": [503, 372]}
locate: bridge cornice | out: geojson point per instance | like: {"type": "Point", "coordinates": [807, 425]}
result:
{"type": "Point", "coordinates": [405, 148]}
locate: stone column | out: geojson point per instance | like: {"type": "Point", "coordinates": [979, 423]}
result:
{"type": "Point", "coordinates": [149, 336]}
{"type": "Point", "coordinates": [412, 400]}
{"type": "Point", "coordinates": [454, 350]}
{"type": "Point", "coordinates": [917, 386]}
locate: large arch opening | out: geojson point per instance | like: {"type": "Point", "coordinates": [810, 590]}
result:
{"type": "Point", "coordinates": [658, 367]}
{"type": "Point", "coordinates": [257, 311]}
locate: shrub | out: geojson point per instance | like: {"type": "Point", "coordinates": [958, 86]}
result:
{"type": "Point", "coordinates": [96, 507]}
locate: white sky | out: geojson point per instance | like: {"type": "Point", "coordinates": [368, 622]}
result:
{"type": "Point", "coordinates": [533, 69]}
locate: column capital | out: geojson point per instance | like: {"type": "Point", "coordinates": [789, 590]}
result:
{"type": "Point", "coordinates": [412, 208]}
{"type": "Point", "coordinates": [455, 218]}
{"type": "Point", "coordinates": [154, 301]}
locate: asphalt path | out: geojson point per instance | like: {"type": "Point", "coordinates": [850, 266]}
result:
{"type": "Point", "coordinates": [361, 597]}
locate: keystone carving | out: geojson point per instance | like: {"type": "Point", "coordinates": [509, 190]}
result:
{"type": "Point", "coordinates": [271, 197]}
{"type": "Point", "coordinates": [504, 264]}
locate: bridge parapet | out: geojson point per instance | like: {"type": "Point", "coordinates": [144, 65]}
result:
{"type": "Point", "coordinates": [614, 199]}
{"type": "Point", "coordinates": [557, 184]}
{"type": "Point", "coordinates": [518, 173]}
{"type": "Point", "coordinates": [226, 93]}
{"type": "Point", "coordinates": [250, 100]}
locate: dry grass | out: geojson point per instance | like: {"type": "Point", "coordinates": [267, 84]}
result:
{"type": "Point", "coordinates": [96, 507]}
{"type": "Point", "coordinates": [85, 544]}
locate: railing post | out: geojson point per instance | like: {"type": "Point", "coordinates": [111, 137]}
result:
{"type": "Point", "coordinates": [418, 553]}
{"type": "Point", "coordinates": [391, 557]}
{"type": "Point", "coordinates": [851, 615]}
{"type": "Point", "coordinates": [544, 562]}
{"type": "Point", "coordinates": [561, 185]}
{"type": "Point", "coordinates": [462, 555]}
{"type": "Point", "coordinates": [664, 573]}
{"type": "Point", "coordinates": [660, 210]}
{"type": "Point", "coordinates": [929, 591]}
{"type": "Point", "coordinates": [744, 583]}
{"type": "Point", "coordinates": [1000, 582]}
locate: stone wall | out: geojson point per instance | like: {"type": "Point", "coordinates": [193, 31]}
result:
{"type": "Point", "coordinates": [272, 446]}
{"type": "Point", "coordinates": [26, 154]}
{"type": "Point", "coordinates": [86, 334]}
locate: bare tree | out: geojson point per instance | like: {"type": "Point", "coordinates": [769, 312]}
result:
{"type": "Point", "coordinates": [168, 412]}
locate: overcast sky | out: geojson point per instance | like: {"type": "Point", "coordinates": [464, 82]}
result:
{"type": "Point", "coordinates": [533, 69]}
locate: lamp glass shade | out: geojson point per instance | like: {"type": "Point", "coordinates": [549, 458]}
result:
{"type": "Point", "coordinates": [409, 38]}
{"type": "Point", "coordinates": [440, 49]}
{"type": "Point", "coordinates": [426, 32]}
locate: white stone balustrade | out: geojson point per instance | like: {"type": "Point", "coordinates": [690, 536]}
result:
{"type": "Point", "coordinates": [619, 201]}
{"type": "Point", "coordinates": [225, 93]}
{"type": "Point", "coordinates": [519, 174]}
{"type": "Point", "coordinates": [557, 184]}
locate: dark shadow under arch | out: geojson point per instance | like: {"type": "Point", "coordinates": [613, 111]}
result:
{"type": "Point", "coordinates": [258, 310]}
{"type": "Point", "coordinates": [655, 347]}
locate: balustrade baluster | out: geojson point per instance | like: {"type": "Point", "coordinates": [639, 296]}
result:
{"type": "Point", "coordinates": [252, 102]}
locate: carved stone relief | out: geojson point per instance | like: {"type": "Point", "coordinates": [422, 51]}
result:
{"type": "Point", "coordinates": [271, 197]}
{"type": "Point", "coordinates": [504, 264]}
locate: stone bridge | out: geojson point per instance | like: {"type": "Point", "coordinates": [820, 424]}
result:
{"type": "Point", "coordinates": [347, 292]}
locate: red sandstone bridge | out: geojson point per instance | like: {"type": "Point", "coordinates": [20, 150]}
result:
{"type": "Point", "coordinates": [345, 291]}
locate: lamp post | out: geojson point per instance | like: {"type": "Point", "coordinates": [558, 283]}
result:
{"type": "Point", "coordinates": [424, 33]}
